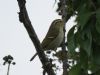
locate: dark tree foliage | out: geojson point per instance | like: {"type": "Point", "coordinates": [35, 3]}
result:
{"type": "Point", "coordinates": [84, 36]}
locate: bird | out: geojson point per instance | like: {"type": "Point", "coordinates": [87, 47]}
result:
{"type": "Point", "coordinates": [54, 36]}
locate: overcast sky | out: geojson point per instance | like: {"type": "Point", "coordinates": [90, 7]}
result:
{"type": "Point", "coordinates": [14, 39]}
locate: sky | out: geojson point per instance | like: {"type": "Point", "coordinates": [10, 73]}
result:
{"type": "Point", "coordinates": [14, 39]}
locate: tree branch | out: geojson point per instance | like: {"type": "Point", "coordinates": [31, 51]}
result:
{"type": "Point", "coordinates": [65, 18]}
{"type": "Point", "coordinates": [23, 17]}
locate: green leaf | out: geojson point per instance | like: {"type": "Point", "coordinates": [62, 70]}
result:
{"type": "Point", "coordinates": [96, 36]}
{"type": "Point", "coordinates": [93, 67]}
{"type": "Point", "coordinates": [97, 73]}
{"type": "Point", "coordinates": [96, 53]}
{"type": "Point", "coordinates": [71, 40]}
{"type": "Point", "coordinates": [98, 20]}
{"type": "Point", "coordinates": [75, 70]}
{"type": "Point", "coordinates": [86, 41]}
{"type": "Point", "coordinates": [98, 2]}
{"type": "Point", "coordinates": [83, 59]}
{"type": "Point", "coordinates": [83, 16]}
{"type": "Point", "coordinates": [98, 27]}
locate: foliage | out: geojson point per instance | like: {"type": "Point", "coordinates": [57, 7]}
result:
{"type": "Point", "coordinates": [8, 60]}
{"type": "Point", "coordinates": [85, 35]}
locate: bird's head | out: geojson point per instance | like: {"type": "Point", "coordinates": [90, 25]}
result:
{"type": "Point", "coordinates": [58, 22]}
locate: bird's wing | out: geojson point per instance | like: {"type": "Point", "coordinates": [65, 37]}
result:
{"type": "Point", "coordinates": [51, 35]}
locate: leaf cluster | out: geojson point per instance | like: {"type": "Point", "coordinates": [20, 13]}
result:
{"type": "Point", "coordinates": [8, 60]}
{"type": "Point", "coordinates": [84, 36]}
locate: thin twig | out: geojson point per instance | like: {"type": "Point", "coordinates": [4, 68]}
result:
{"type": "Point", "coordinates": [65, 18]}
{"type": "Point", "coordinates": [33, 57]}
{"type": "Point", "coordinates": [8, 69]}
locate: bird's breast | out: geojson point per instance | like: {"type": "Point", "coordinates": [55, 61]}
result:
{"type": "Point", "coordinates": [57, 41]}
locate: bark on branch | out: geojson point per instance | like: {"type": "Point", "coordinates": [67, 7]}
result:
{"type": "Point", "coordinates": [23, 17]}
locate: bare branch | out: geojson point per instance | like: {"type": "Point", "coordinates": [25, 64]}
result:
{"type": "Point", "coordinates": [65, 18]}
{"type": "Point", "coordinates": [23, 17]}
